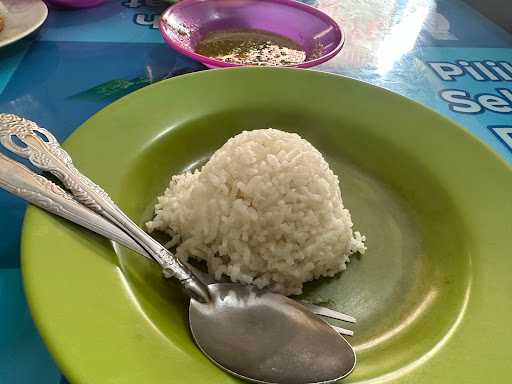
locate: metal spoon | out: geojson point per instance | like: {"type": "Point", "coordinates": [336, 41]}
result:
{"type": "Point", "coordinates": [41, 192]}
{"type": "Point", "coordinates": [259, 336]}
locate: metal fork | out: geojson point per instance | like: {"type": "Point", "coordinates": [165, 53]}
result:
{"type": "Point", "coordinates": [40, 191]}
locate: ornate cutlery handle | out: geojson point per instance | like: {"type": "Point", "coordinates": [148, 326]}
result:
{"type": "Point", "coordinates": [38, 190]}
{"type": "Point", "coordinates": [27, 139]}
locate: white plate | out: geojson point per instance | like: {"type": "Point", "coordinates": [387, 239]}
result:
{"type": "Point", "coordinates": [21, 17]}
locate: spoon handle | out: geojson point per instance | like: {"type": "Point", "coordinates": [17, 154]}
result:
{"type": "Point", "coordinates": [38, 190]}
{"type": "Point", "coordinates": [26, 139]}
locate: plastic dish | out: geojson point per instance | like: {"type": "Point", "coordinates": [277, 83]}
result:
{"type": "Point", "coordinates": [184, 24]}
{"type": "Point", "coordinates": [430, 295]}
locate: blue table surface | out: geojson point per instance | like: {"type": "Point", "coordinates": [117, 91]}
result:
{"type": "Point", "coordinates": [441, 53]}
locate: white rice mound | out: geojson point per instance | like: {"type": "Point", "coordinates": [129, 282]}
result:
{"type": "Point", "coordinates": [266, 209]}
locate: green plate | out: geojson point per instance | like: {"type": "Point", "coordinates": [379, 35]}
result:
{"type": "Point", "coordinates": [432, 294]}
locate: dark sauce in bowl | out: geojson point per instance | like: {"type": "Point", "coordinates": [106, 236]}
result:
{"type": "Point", "coordinates": [251, 47]}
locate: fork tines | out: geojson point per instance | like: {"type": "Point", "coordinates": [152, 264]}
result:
{"type": "Point", "coordinates": [332, 314]}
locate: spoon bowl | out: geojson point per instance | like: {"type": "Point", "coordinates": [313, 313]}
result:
{"type": "Point", "coordinates": [267, 338]}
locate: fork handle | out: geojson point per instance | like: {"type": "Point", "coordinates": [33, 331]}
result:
{"type": "Point", "coordinates": [42, 149]}
{"type": "Point", "coordinates": [39, 191]}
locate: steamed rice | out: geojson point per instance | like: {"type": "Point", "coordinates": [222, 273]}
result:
{"type": "Point", "coordinates": [266, 209]}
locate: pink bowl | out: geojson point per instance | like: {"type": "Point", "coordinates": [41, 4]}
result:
{"type": "Point", "coordinates": [184, 24]}
{"type": "Point", "coordinates": [74, 3]}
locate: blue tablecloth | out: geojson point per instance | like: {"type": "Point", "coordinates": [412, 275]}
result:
{"type": "Point", "coordinates": [441, 53]}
